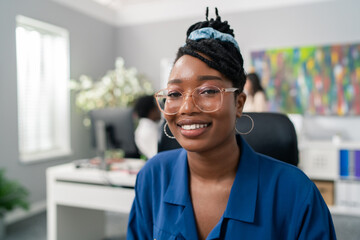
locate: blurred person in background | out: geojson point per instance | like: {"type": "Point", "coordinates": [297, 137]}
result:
{"type": "Point", "coordinates": [146, 133]}
{"type": "Point", "coordinates": [256, 99]}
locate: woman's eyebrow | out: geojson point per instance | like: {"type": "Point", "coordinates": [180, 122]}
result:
{"type": "Point", "coordinates": [200, 78]}
{"type": "Point", "coordinates": [174, 81]}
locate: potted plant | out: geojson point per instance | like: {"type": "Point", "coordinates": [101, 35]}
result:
{"type": "Point", "coordinates": [12, 195]}
{"type": "Point", "coordinates": [117, 88]}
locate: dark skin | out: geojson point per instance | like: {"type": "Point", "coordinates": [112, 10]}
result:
{"type": "Point", "coordinates": [213, 153]}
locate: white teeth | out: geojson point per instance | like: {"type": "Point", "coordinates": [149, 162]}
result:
{"type": "Point", "coordinates": [193, 126]}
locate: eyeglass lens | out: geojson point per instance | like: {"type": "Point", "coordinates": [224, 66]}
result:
{"type": "Point", "coordinates": [207, 99]}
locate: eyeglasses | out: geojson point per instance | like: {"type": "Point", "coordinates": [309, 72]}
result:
{"type": "Point", "coordinates": [206, 98]}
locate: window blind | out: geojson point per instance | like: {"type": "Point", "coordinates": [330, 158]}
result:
{"type": "Point", "coordinates": [42, 67]}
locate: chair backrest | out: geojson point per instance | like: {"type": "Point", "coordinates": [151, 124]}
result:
{"type": "Point", "coordinates": [273, 135]}
{"type": "Point", "coordinates": [166, 143]}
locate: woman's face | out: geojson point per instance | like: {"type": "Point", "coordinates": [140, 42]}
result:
{"type": "Point", "coordinates": [196, 130]}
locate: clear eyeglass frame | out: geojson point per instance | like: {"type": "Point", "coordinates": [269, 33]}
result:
{"type": "Point", "coordinates": [160, 97]}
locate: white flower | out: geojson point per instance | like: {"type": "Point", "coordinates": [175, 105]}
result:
{"type": "Point", "coordinates": [118, 88]}
{"type": "Point", "coordinates": [117, 92]}
{"type": "Point", "coordinates": [106, 80]}
{"type": "Point", "coordinates": [85, 82]}
{"type": "Point", "coordinates": [74, 85]}
{"type": "Point", "coordinates": [119, 62]}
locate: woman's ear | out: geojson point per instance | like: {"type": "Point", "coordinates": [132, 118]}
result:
{"type": "Point", "coordinates": [240, 101]}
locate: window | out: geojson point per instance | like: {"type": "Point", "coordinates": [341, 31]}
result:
{"type": "Point", "coordinates": [43, 97]}
{"type": "Point", "coordinates": [166, 65]}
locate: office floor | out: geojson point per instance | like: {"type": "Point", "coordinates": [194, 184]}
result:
{"type": "Point", "coordinates": [34, 228]}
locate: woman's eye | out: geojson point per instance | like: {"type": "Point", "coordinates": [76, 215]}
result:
{"type": "Point", "coordinates": [209, 91]}
{"type": "Point", "coordinates": [174, 95]}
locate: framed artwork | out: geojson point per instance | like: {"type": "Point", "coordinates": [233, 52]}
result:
{"type": "Point", "coordinates": [318, 80]}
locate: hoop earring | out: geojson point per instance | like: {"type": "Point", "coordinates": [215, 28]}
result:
{"type": "Point", "coordinates": [168, 135]}
{"type": "Point", "coordinates": [252, 125]}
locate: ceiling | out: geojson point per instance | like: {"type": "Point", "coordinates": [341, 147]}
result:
{"type": "Point", "coordinates": [130, 12]}
{"type": "Point", "coordinates": [118, 4]}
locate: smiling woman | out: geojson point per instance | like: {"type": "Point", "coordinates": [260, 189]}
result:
{"type": "Point", "coordinates": [216, 186]}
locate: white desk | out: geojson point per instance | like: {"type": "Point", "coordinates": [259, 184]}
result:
{"type": "Point", "coordinates": [78, 197]}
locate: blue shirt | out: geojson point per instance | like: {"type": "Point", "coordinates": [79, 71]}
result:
{"type": "Point", "coordinates": [269, 199]}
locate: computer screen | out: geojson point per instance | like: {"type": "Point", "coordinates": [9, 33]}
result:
{"type": "Point", "coordinates": [119, 129]}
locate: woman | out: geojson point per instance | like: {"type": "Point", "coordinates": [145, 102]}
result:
{"type": "Point", "coordinates": [256, 98]}
{"type": "Point", "coordinates": [216, 186]}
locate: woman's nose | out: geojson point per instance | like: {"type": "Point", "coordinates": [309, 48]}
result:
{"type": "Point", "coordinates": [188, 105]}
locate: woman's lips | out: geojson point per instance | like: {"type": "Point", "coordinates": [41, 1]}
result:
{"type": "Point", "coordinates": [194, 129]}
{"type": "Point", "coordinates": [193, 126]}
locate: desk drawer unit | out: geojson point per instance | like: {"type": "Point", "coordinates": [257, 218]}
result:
{"type": "Point", "coordinates": [91, 196]}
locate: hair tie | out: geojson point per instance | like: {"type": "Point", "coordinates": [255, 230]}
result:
{"type": "Point", "coordinates": [210, 33]}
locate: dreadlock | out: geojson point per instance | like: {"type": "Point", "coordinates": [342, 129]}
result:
{"type": "Point", "coordinates": [222, 56]}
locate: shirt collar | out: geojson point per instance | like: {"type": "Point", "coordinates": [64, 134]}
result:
{"type": "Point", "coordinates": [242, 200]}
{"type": "Point", "coordinates": [178, 190]}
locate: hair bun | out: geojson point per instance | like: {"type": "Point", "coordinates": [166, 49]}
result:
{"type": "Point", "coordinates": [215, 39]}
{"type": "Point", "coordinates": [216, 24]}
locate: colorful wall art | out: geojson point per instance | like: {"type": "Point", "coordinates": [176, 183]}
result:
{"type": "Point", "coordinates": [321, 80]}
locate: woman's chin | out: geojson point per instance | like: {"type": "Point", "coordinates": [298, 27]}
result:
{"type": "Point", "coordinates": [194, 145]}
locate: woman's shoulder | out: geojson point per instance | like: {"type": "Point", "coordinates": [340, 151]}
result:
{"type": "Point", "coordinates": [281, 167]}
{"type": "Point", "coordinates": [286, 194]}
{"type": "Point", "coordinates": [259, 94]}
{"type": "Point", "coordinates": [287, 177]}
{"type": "Point", "coordinates": [260, 102]}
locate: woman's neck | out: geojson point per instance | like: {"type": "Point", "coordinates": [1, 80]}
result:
{"type": "Point", "coordinates": [216, 164]}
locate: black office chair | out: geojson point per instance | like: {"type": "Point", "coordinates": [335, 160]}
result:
{"type": "Point", "coordinates": [166, 143]}
{"type": "Point", "coordinates": [273, 135]}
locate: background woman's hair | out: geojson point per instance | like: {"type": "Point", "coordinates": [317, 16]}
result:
{"type": "Point", "coordinates": [144, 105]}
{"type": "Point", "coordinates": [220, 55]}
{"type": "Point", "coordinates": [255, 82]}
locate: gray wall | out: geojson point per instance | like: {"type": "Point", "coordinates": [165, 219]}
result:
{"type": "Point", "coordinates": [92, 45]}
{"type": "Point", "coordinates": [321, 23]}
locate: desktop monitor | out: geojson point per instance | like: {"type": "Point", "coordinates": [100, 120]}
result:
{"type": "Point", "coordinates": [119, 129]}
